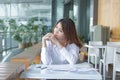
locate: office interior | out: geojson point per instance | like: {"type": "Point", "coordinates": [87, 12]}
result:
{"type": "Point", "coordinates": [95, 20]}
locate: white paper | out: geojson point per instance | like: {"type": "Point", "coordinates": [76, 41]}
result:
{"type": "Point", "coordinates": [65, 67]}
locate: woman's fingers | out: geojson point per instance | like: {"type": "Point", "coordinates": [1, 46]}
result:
{"type": "Point", "coordinates": [48, 36]}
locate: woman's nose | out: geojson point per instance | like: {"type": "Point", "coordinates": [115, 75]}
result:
{"type": "Point", "coordinates": [56, 31]}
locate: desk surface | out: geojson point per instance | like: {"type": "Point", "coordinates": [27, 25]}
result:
{"type": "Point", "coordinates": [78, 71]}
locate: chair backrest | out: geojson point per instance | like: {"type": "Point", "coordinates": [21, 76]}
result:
{"type": "Point", "coordinates": [113, 43]}
{"type": "Point", "coordinates": [111, 46]}
{"type": "Point", "coordinates": [116, 62]}
{"type": "Point", "coordinates": [94, 50]}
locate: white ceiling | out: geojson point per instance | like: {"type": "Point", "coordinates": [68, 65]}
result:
{"type": "Point", "coordinates": [25, 1]}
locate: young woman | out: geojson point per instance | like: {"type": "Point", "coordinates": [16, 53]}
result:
{"type": "Point", "coordinates": [62, 46]}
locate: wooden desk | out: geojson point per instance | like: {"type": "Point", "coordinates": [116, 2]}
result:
{"type": "Point", "coordinates": [29, 56]}
{"type": "Point", "coordinates": [11, 71]}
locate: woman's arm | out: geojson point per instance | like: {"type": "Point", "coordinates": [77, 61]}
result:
{"type": "Point", "coordinates": [71, 53]}
{"type": "Point", "coordinates": [46, 50]}
{"type": "Point", "coordinates": [46, 56]}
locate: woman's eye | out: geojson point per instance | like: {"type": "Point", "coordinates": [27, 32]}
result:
{"type": "Point", "coordinates": [60, 30]}
{"type": "Point", "coordinates": [56, 27]}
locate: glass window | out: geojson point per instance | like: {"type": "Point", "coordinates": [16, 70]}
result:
{"type": "Point", "coordinates": [75, 12]}
{"type": "Point", "coordinates": [14, 10]}
{"type": "Point", "coordinates": [2, 10]}
{"type": "Point", "coordinates": [59, 9]}
{"type": "Point", "coordinates": [22, 11]}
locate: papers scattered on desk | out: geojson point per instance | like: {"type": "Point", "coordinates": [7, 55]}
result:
{"type": "Point", "coordinates": [71, 69]}
{"type": "Point", "coordinates": [83, 67]}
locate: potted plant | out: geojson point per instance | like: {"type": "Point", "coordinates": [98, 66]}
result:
{"type": "Point", "coordinates": [3, 28]}
{"type": "Point", "coordinates": [44, 28]}
{"type": "Point", "coordinates": [1, 25]}
{"type": "Point", "coordinates": [28, 34]}
{"type": "Point", "coordinates": [12, 24]}
{"type": "Point", "coordinates": [20, 36]}
{"type": "Point", "coordinates": [25, 33]}
{"type": "Point", "coordinates": [33, 29]}
{"type": "Point", "coordinates": [15, 32]}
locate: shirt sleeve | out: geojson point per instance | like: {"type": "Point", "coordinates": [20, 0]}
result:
{"type": "Point", "coordinates": [46, 55]}
{"type": "Point", "coordinates": [71, 53]}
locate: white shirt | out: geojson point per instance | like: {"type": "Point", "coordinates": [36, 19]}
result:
{"type": "Point", "coordinates": [54, 55]}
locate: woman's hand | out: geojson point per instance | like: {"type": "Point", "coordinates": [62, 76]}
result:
{"type": "Point", "coordinates": [55, 41]}
{"type": "Point", "coordinates": [52, 38]}
{"type": "Point", "coordinates": [46, 37]}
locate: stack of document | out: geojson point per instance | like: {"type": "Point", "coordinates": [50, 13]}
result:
{"type": "Point", "coordinates": [82, 67]}
{"type": "Point", "coordinates": [71, 68]}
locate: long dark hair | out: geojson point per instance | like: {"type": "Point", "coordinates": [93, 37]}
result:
{"type": "Point", "coordinates": [69, 30]}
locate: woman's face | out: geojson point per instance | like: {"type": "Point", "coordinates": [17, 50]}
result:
{"type": "Point", "coordinates": [58, 32]}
